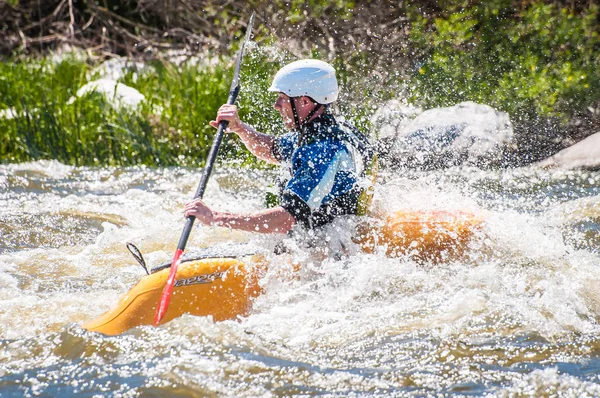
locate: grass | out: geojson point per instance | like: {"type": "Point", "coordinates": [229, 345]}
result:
{"type": "Point", "coordinates": [170, 127]}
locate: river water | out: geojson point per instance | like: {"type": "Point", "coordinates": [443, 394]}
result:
{"type": "Point", "coordinates": [518, 315]}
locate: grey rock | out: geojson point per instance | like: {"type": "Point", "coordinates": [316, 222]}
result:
{"type": "Point", "coordinates": [392, 117]}
{"type": "Point", "coordinates": [118, 94]}
{"type": "Point", "coordinates": [583, 155]}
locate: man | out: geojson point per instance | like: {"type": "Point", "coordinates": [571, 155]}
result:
{"type": "Point", "coordinates": [326, 158]}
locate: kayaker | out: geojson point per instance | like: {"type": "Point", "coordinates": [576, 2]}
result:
{"type": "Point", "coordinates": [326, 158]}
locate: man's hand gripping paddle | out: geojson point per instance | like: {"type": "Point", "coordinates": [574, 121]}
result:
{"type": "Point", "coordinates": [165, 297]}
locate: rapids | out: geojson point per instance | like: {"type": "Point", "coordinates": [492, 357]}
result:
{"type": "Point", "coordinates": [517, 316]}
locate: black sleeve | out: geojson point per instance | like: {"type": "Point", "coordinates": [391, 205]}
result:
{"type": "Point", "coordinates": [298, 208]}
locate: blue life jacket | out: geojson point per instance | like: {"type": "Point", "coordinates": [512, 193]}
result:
{"type": "Point", "coordinates": [326, 160]}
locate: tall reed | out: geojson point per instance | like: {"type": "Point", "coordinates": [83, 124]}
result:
{"type": "Point", "coordinates": [42, 118]}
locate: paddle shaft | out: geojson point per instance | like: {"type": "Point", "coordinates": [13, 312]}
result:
{"type": "Point", "coordinates": [165, 297]}
{"type": "Point", "coordinates": [210, 162]}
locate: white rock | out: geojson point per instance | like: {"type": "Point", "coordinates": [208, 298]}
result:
{"type": "Point", "coordinates": [583, 155]}
{"type": "Point", "coordinates": [392, 117]}
{"type": "Point", "coordinates": [117, 93]}
{"type": "Point", "coordinates": [468, 133]}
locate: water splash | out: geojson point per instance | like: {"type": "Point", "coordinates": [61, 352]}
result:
{"type": "Point", "coordinates": [518, 314]}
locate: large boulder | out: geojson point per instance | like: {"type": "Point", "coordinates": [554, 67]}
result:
{"type": "Point", "coordinates": [583, 155]}
{"type": "Point", "coordinates": [392, 117]}
{"type": "Point", "coordinates": [467, 133]}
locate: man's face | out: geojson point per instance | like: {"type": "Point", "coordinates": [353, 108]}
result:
{"type": "Point", "coordinates": [282, 105]}
{"type": "Point", "coordinates": [304, 105]}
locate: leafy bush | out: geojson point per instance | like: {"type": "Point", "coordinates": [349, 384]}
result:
{"type": "Point", "coordinates": [539, 61]}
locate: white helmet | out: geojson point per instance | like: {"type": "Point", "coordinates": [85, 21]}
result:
{"type": "Point", "coordinates": [309, 77]}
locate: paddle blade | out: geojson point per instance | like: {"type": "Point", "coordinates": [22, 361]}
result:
{"type": "Point", "coordinates": [165, 297]}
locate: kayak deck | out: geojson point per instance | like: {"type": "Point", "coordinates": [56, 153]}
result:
{"type": "Point", "coordinates": [224, 288]}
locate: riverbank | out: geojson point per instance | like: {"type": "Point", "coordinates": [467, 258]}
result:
{"type": "Point", "coordinates": [536, 61]}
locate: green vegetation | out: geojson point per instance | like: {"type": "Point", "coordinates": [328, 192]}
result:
{"type": "Point", "coordinates": [48, 120]}
{"type": "Point", "coordinates": [169, 128]}
{"type": "Point", "coordinates": [533, 59]}
{"type": "Point", "coordinates": [542, 60]}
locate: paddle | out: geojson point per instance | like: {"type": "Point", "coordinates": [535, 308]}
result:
{"type": "Point", "coordinates": [165, 297]}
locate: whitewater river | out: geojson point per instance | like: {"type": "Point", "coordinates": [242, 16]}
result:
{"type": "Point", "coordinates": [518, 315]}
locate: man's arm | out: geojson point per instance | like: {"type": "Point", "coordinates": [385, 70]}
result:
{"type": "Point", "coordinates": [261, 145]}
{"type": "Point", "coordinates": [275, 220]}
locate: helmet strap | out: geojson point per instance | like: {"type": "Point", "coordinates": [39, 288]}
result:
{"type": "Point", "coordinates": [312, 113]}
{"type": "Point", "coordinates": [297, 118]}
{"type": "Point", "coordinates": [295, 113]}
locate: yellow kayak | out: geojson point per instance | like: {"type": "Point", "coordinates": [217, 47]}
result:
{"type": "Point", "coordinates": [224, 288]}
{"type": "Point", "coordinates": [435, 235]}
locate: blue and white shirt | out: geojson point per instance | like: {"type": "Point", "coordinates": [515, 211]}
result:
{"type": "Point", "coordinates": [324, 171]}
